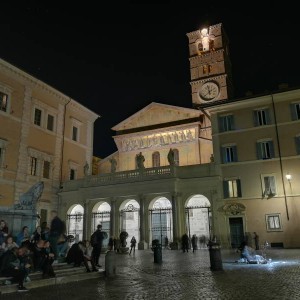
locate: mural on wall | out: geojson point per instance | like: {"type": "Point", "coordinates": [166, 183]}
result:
{"type": "Point", "coordinates": [159, 139]}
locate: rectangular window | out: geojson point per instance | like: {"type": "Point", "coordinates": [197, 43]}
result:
{"type": "Point", "coordinates": [229, 154]}
{"type": "Point", "coordinates": [273, 222]}
{"type": "Point", "coordinates": [75, 133]}
{"type": "Point", "coordinates": [297, 143]}
{"type": "Point", "coordinates": [72, 174]}
{"type": "Point", "coordinates": [33, 166]}
{"type": "Point", "coordinates": [295, 111]}
{"type": "Point", "coordinates": [261, 117]}
{"type": "Point", "coordinates": [3, 101]}
{"type": "Point", "coordinates": [46, 169]}
{"type": "Point", "coordinates": [269, 186]}
{"type": "Point", "coordinates": [37, 117]}
{"type": "Point", "coordinates": [232, 188]}
{"type": "Point", "coordinates": [50, 123]}
{"type": "Point", "coordinates": [226, 123]}
{"type": "Point", "coordinates": [265, 150]}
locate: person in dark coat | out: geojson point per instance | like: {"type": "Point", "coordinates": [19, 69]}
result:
{"type": "Point", "coordinates": [76, 256]}
{"type": "Point", "coordinates": [96, 241]}
{"type": "Point", "coordinates": [132, 245]}
{"type": "Point", "coordinates": [11, 266]}
{"type": "Point", "coordinates": [194, 242]}
{"type": "Point", "coordinates": [56, 229]}
{"type": "Point", "coordinates": [185, 243]}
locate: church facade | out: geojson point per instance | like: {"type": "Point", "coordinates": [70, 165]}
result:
{"type": "Point", "coordinates": [223, 169]}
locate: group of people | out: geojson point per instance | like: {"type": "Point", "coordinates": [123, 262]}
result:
{"type": "Point", "coordinates": [192, 243]}
{"type": "Point", "coordinates": [29, 252]}
{"type": "Point", "coordinates": [40, 250]}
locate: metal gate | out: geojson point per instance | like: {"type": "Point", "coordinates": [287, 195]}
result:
{"type": "Point", "coordinates": [198, 222]}
{"type": "Point", "coordinates": [161, 224]}
{"type": "Point", "coordinates": [75, 226]}
{"type": "Point", "coordinates": [128, 217]}
{"type": "Point", "coordinates": [103, 218]}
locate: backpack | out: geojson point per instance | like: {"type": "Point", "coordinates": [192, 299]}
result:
{"type": "Point", "coordinates": [94, 239]}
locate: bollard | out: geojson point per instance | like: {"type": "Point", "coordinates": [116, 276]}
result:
{"type": "Point", "coordinates": [157, 249]}
{"type": "Point", "coordinates": [215, 256]}
{"type": "Point", "coordinates": [110, 264]}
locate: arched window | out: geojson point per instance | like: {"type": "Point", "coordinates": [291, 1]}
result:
{"type": "Point", "coordinates": [176, 157]}
{"type": "Point", "coordinates": [156, 159]}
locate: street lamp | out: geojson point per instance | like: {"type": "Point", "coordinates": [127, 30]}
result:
{"type": "Point", "coordinates": [288, 177]}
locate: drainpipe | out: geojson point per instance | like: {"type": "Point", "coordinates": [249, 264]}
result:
{"type": "Point", "coordinates": [63, 144]}
{"type": "Point", "coordinates": [280, 159]}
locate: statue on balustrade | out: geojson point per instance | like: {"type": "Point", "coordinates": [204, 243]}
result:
{"type": "Point", "coordinates": [140, 159]}
{"type": "Point", "coordinates": [171, 157]}
{"type": "Point", "coordinates": [113, 165]}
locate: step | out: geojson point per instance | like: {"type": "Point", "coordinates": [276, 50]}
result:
{"type": "Point", "coordinates": [64, 274]}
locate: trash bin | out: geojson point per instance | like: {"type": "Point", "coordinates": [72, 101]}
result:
{"type": "Point", "coordinates": [157, 249]}
{"type": "Point", "coordinates": [110, 264]}
{"type": "Point", "coordinates": [215, 256]}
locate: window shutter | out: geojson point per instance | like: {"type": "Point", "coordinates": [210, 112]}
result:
{"type": "Point", "coordinates": [221, 124]}
{"type": "Point", "coordinates": [225, 189]}
{"type": "Point", "coordinates": [272, 185]}
{"type": "Point", "coordinates": [223, 151]}
{"type": "Point", "coordinates": [239, 187]}
{"type": "Point", "coordinates": [297, 142]}
{"type": "Point", "coordinates": [268, 117]}
{"type": "Point", "coordinates": [267, 186]}
{"type": "Point", "coordinates": [231, 122]}
{"type": "Point", "coordinates": [293, 111]}
{"type": "Point", "coordinates": [255, 118]}
{"type": "Point", "coordinates": [258, 151]}
{"type": "Point", "coordinates": [234, 151]}
{"type": "Point", "coordinates": [271, 147]}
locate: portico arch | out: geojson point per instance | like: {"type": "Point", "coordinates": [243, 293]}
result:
{"type": "Point", "coordinates": [101, 215]}
{"type": "Point", "coordinates": [160, 220]}
{"type": "Point", "coordinates": [130, 218]}
{"type": "Point", "coordinates": [75, 221]}
{"type": "Point", "coordinates": [198, 218]}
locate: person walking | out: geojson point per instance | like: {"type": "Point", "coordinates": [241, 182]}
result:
{"type": "Point", "coordinates": [132, 245]}
{"type": "Point", "coordinates": [194, 242]}
{"type": "Point", "coordinates": [256, 241]}
{"type": "Point", "coordinates": [57, 228]}
{"type": "Point", "coordinates": [96, 241]}
{"type": "Point", "coordinates": [185, 243]}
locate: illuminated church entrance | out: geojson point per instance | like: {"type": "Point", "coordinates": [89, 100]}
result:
{"type": "Point", "coordinates": [75, 222]}
{"type": "Point", "coordinates": [101, 215]}
{"type": "Point", "coordinates": [130, 219]}
{"type": "Point", "coordinates": [161, 222]}
{"type": "Point", "coordinates": [198, 219]}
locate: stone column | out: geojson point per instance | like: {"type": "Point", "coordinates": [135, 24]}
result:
{"type": "Point", "coordinates": [175, 216]}
{"type": "Point", "coordinates": [142, 245]}
{"type": "Point", "coordinates": [113, 232]}
{"type": "Point", "coordinates": [85, 233]}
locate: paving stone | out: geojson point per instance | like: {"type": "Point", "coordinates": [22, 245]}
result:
{"type": "Point", "coordinates": [184, 276]}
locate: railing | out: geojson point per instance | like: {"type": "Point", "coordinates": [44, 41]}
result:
{"type": "Point", "coordinates": [203, 170]}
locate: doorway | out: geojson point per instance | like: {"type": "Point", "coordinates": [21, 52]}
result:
{"type": "Point", "coordinates": [236, 231]}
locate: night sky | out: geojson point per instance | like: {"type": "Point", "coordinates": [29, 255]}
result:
{"type": "Point", "coordinates": [117, 58]}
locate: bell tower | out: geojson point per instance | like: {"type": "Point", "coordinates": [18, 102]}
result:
{"type": "Point", "coordinates": [210, 66]}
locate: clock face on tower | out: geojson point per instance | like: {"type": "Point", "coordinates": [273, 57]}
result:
{"type": "Point", "coordinates": [209, 91]}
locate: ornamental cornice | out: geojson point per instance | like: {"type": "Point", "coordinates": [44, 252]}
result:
{"type": "Point", "coordinates": [205, 55]}
{"type": "Point", "coordinates": [208, 79]}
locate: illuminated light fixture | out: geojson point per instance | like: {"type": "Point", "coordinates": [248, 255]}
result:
{"type": "Point", "coordinates": [204, 31]}
{"type": "Point", "coordinates": [288, 176]}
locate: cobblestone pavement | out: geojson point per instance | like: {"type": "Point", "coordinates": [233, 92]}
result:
{"type": "Point", "coordinates": [184, 276]}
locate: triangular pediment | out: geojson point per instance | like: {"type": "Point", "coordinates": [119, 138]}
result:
{"type": "Point", "coordinates": [156, 113]}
